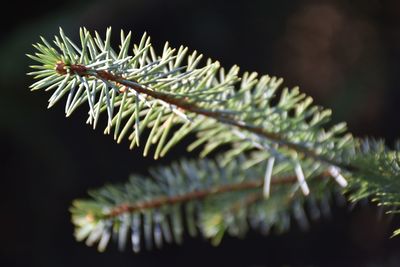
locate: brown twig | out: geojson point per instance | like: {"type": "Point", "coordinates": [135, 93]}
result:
{"type": "Point", "coordinates": [198, 195]}
{"type": "Point", "coordinates": [183, 104]}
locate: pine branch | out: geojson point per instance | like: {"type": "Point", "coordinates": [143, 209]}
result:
{"type": "Point", "coordinates": [189, 106]}
{"type": "Point", "coordinates": [197, 195]}
{"type": "Point", "coordinates": [208, 196]}
{"type": "Point", "coordinates": [163, 99]}
{"type": "Point", "coordinates": [195, 99]}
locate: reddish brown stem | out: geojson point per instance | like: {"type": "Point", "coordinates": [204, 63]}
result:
{"type": "Point", "coordinates": [182, 103]}
{"type": "Point", "coordinates": [198, 195]}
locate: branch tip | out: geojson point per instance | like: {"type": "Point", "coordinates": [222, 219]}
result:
{"type": "Point", "coordinates": [60, 68]}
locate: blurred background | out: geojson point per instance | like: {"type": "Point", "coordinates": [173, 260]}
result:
{"type": "Point", "coordinates": [343, 53]}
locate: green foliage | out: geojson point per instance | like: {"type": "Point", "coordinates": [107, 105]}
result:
{"type": "Point", "coordinates": [378, 177]}
{"type": "Point", "coordinates": [202, 197]}
{"type": "Point", "coordinates": [180, 93]}
{"type": "Point", "coordinates": [266, 132]}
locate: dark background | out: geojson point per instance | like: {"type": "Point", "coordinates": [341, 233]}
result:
{"type": "Point", "coordinates": [344, 53]}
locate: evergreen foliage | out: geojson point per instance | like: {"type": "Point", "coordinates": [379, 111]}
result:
{"type": "Point", "coordinates": [279, 155]}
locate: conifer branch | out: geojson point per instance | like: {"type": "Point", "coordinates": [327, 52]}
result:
{"type": "Point", "coordinates": [184, 104]}
{"type": "Point", "coordinates": [194, 195]}
{"type": "Point", "coordinates": [197, 195]}
{"type": "Point", "coordinates": [270, 132]}
{"type": "Point", "coordinates": [197, 91]}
